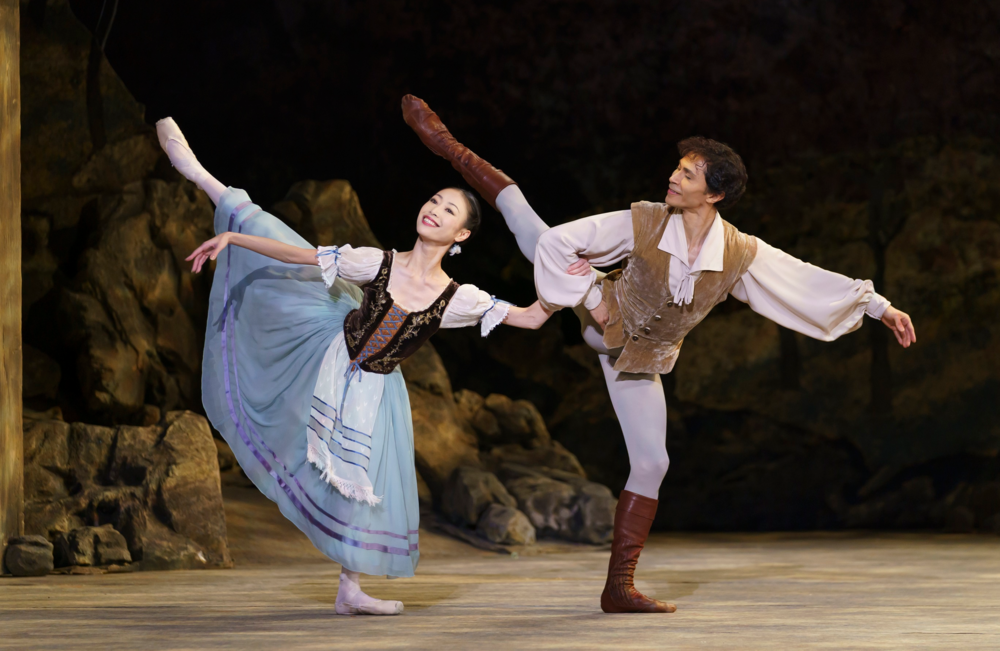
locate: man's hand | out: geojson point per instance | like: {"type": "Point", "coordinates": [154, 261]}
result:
{"type": "Point", "coordinates": [600, 314]}
{"type": "Point", "coordinates": [901, 326]}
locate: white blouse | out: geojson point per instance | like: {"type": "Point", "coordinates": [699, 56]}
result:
{"type": "Point", "coordinates": [468, 307]}
{"type": "Point", "coordinates": [797, 295]}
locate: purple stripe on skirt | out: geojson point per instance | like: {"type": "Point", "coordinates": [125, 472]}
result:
{"type": "Point", "coordinates": [226, 325]}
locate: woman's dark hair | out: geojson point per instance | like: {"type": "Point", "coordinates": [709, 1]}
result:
{"type": "Point", "coordinates": [475, 211]}
{"type": "Point", "coordinates": [724, 170]}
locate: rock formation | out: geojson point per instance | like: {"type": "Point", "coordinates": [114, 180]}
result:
{"type": "Point", "coordinates": [145, 495]}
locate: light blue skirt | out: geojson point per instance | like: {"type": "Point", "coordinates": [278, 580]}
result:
{"type": "Point", "coordinates": [269, 327]}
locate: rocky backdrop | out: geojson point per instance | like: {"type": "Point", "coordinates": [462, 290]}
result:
{"type": "Point", "coordinates": [515, 436]}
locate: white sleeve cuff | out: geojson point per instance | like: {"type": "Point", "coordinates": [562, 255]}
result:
{"type": "Point", "coordinates": [494, 316]}
{"type": "Point", "coordinates": [593, 298]}
{"type": "Point", "coordinates": [877, 306]}
{"type": "Point", "coordinates": [328, 258]}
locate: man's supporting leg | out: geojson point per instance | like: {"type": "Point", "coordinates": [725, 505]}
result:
{"type": "Point", "coordinates": [642, 412]}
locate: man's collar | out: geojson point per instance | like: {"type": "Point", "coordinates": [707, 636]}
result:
{"type": "Point", "coordinates": [674, 242]}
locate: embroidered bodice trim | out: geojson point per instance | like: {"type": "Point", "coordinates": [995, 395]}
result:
{"type": "Point", "coordinates": [380, 334]}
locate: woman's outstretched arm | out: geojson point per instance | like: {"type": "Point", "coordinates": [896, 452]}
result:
{"type": "Point", "coordinates": [280, 251]}
{"type": "Point", "coordinates": [531, 317]}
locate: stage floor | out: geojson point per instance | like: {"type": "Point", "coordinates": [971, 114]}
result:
{"type": "Point", "coordinates": [765, 591]}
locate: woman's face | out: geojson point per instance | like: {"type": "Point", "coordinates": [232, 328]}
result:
{"type": "Point", "coordinates": [442, 219]}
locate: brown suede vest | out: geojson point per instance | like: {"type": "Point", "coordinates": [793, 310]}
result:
{"type": "Point", "coordinates": [379, 335]}
{"type": "Point", "coordinates": [644, 321]}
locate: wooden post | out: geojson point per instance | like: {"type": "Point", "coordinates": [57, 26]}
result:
{"type": "Point", "coordinates": [11, 437]}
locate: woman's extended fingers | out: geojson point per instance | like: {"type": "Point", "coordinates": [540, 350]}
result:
{"type": "Point", "coordinates": [201, 249]}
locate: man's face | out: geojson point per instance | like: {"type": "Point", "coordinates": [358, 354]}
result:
{"type": "Point", "coordinates": [688, 189]}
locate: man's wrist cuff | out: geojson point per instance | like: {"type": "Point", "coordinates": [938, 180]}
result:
{"type": "Point", "coordinates": [593, 298]}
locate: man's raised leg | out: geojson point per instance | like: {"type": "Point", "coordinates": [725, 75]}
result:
{"type": "Point", "coordinates": [638, 399]}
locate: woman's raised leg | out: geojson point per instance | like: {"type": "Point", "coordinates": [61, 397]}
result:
{"type": "Point", "coordinates": [183, 159]}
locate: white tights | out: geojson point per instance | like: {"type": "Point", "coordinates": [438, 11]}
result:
{"type": "Point", "coordinates": [183, 159]}
{"type": "Point", "coordinates": [637, 397]}
{"type": "Point", "coordinates": [352, 601]}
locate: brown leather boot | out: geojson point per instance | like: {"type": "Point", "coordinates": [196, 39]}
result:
{"type": "Point", "coordinates": [485, 179]}
{"type": "Point", "coordinates": [633, 518]}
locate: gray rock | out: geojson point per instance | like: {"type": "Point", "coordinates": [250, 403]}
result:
{"type": "Point", "coordinates": [467, 403]}
{"type": "Point", "coordinates": [506, 525]}
{"type": "Point", "coordinates": [152, 487]}
{"type": "Point", "coordinates": [89, 546]}
{"type": "Point", "coordinates": [594, 519]}
{"type": "Point", "coordinates": [570, 508]}
{"type": "Point", "coordinates": [227, 460]}
{"type": "Point", "coordinates": [469, 492]}
{"type": "Point", "coordinates": [519, 421]}
{"type": "Point", "coordinates": [28, 556]}
{"type": "Point", "coordinates": [550, 455]}
{"type": "Point", "coordinates": [548, 503]}
{"type": "Point", "coordinates": [326, 212]}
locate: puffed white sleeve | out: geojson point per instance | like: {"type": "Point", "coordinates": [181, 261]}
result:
{"type": "Point", "coordinates": [603, 239]}
{"type": "Point", "coordinates": [354, 265]}
{"type": "Point", "coordinates": [472, 306]}
{"type": "Point", "coordinates": [805, 298]}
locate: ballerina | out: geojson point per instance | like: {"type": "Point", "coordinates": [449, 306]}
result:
{"type": "Point", "coordinates": [301, 367]}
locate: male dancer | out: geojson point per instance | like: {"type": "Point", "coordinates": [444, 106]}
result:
{"type": "Point", "coordinates": [682, 259]}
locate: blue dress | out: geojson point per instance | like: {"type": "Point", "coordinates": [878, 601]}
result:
{"type": "Point", "coordinates": [270, 326]}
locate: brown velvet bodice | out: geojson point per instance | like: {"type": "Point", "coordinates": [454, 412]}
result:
{"type": "Point", "coordinates": [643, 319]}
{"type": "Point", "coordinates": [380, 335]}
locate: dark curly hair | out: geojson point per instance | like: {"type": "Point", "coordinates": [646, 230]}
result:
{"type": "Point", "coordinates": [724, 169]}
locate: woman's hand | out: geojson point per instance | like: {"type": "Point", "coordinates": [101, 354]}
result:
{"type": "Point", "coordinates": [901, 326]}
{"type": "Point", "coordinates": [210, 250]}
{"type": "Point", "coordinates": [579, 268]}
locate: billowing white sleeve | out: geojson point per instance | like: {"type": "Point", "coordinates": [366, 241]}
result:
{"type": "Point", "coordinates": [603, 239]}
{"type": "Point", "coordinates": [805, 298]}
{"type": "Point", "coordinates": [354, 265]}
{"type": "Point", "coordinates": [472, 306]}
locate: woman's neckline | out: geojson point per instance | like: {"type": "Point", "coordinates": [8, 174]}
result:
{"type": "Point", "coordinates": [388, 289]}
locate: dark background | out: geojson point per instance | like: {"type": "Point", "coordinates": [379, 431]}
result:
{"type": "Point", "coordinates": [870, 132]}
{"type": "Point", "coordinates": [581, 102]}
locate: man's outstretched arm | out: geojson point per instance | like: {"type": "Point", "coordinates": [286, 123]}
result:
{"type": "Point", "coordinates": [815, 302]}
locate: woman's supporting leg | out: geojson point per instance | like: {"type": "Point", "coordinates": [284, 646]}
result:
{"type": "Point", "coordinates": [352, 601]}
{"type": "Point", "coordinates": [183, 159]}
